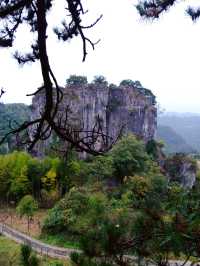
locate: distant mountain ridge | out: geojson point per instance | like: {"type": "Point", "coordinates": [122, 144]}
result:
{"type": "Point", "coordinates": [178, 114]}
{"type": "Point", "coordinates": [185, 125]}
{"type": "Point", "coordinates": [174, 143]}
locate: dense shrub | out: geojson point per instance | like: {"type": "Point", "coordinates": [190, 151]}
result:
{"type": "Point", "coordinates": [143, 215]}
{"type": "Point", "coordinates": [27, 207]}
{"type": "Point", "coordinates": [129, 157]}
{"type": "Point", "coordinates": [100, 80]}
{"type": "Point", "coordinates": [76, 80]}
{"type": "Point", "coordinates": [127, 82]}
{"type": "Point", "coordinates": [27, 257]}
{"type": "Point", "coordinates": [20, 174]}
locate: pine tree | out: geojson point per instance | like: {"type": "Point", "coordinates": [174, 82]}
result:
{"type": "Point", "coordinates": [13, 14]}
{"type": "Point", "coordinates": [154, 8]}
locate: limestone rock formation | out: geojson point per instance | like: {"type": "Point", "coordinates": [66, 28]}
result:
{"type": "Point", "coordinates": [125, 108]}
{"type": "Point", "coordinates": [182, 169]}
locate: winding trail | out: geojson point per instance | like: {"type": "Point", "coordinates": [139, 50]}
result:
{"type": "Point", "coordinates": [53, 251]}
{"type": "Point", "coordinates": [38, 246]}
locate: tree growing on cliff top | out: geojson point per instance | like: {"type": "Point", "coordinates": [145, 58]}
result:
{"type": "Point", "coordinates": [76, 80]}
{"type": "Point", "coordinates": [100, 80]}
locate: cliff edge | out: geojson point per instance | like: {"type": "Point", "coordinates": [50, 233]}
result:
{"type": "Point", "coordinates": [119, 108]}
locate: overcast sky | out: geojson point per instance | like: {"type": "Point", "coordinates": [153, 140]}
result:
{"type": "Point", "coordinates": [164, 55]}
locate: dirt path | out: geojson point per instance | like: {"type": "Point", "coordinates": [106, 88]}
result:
{"type": "Point", "coordinates": [38, 246]}
{"type": "Point", "coordinates": [52, 251]}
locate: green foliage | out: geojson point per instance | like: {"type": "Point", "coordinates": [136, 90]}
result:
{"type": "Point", "coordinates": [9, 252]}
{"type": "Point", "coordinates": [20, 186]}
{"type": "Point", "coordinates": [129, 157]}
{"type": "Point", "coordinates": [76, 80]}
{"type": "Point", "coordinates": [74, 256]}
{"type": "Point", "coordinates": [100, 80]}
{"type": "Point", "coordinates": [56, 264]}
{"type": "Point", "coordinates": [25, 255]}
{"type": "Point", "coordinates": [27, 207]}
{"type": "Point", "coordinates": [20, 174]}
{"type": "Point", "coordinates": [136, 84]}
{"type": "Point", "coordinates": [100, 168]}
{"type": "Point", "coordinates": [10, 255]}
{"type": "Point", "coordinates": [143, 215]}
{"type": "Point", "coordinates": [13, 169]}
{"type": "Point", "coordinates": [49, 180]}
{"type": "Point", "coordinates": [153, 148]}
{"type": "Point", "coordinates": [66, 210]}
{"type": "Point", "coordinates": [27, 258]}
{"type": "Point", "coordinates": [114, 205]}
{"type": "Point", "coordinates": [34, 261]}
{"type": "Point", "coordinates": [14, 114]}
{"type": "Point", "coordinates": [127, 82]}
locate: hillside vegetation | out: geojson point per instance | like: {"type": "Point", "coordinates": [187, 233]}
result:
{"type": "Point", "coordinates": [109, 206]}
{"type": "Point", "coordinates": [10, 255]}
{"type": "Point", "coordinates": [11, 115]}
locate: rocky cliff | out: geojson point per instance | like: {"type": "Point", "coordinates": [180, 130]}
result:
{"type": "Point", "coordinates": [182, 169]}
{"type": "Point", "coordinates": [125, 108]}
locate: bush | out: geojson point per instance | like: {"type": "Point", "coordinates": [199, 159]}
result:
{"type": "Point", "coordinates": [74, 256]}
{"type": "Point", "coordinates": [127, 82]}
{"type": "Point", "coordinates": [33, 261]}
{"type": "Point", "coordinates": [76, 80]}
{"type": "Point", "coordinates": [100, 168]}
{"type": "Point", "coordinates": [27, 258]}
{"type": "Point", "coordinates": [20, 174]}
{"type": "Point", "coordinates": [113, 86]}
{"type": "Point", "coordinates": [56, 263]}
{"type": "Point", "coordinates": [66, 212]}
{"type": "Point", "coordinates": [25, 255]}
{"type": "Point", "coordinates": [100, 80]}
{"type": "Point", "coordinates": [27, 207]}
{"type": "Point", "coordinates": [129, 157]}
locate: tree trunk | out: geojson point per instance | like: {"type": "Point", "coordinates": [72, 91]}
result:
{"type": "Point", "coordinates": [28, 225]}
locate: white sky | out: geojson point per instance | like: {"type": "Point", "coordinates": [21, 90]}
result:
{"type": "Point", "coordinates": [164, 55]}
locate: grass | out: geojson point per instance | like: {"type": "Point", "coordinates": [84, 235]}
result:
{"type": "Point", "coordinates": [9, 252]}
{"type": "Point", "coordinates": [10, 217]}
{"type": "Point", "coordinates": [10, 255]}
{"type": "Point", "coordinates": [60, 240]}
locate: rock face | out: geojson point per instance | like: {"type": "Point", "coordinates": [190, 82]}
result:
{"type": "Point", "coordinates": [125, 108]}
{"type": "Point", "coordinates": [182, 169]}
{"type": "Point", "coordinates": [188, 173]}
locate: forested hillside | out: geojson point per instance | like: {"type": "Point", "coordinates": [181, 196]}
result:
{"type": "Point", "coordinates": [186, 127]}
{"type": "Point", "coordinates": [173, 142]}
{"type": "Point", "coordinates": [10, 116]}
{"type": "Point", "coordinates": [108, 206]}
